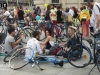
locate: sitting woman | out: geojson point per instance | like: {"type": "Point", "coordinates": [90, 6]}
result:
{"type": "Point", "coordinates": [49, 42]}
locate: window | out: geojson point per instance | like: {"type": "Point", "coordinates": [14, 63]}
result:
{"type": "Point", "coordinates": [55, 1]}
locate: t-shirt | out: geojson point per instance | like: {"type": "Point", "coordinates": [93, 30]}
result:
{"type": "Point", "coordinates": [7, 14]}
{"type": "Point", "coordinates": [59, 16]}
{"type": "Point", "coordinates": [47, 15]}
{"type": "Point", "coordinates": [37, 18]}
{"type": "Point", "coordinates": [53, 15]}
{"type": "Point", "coordinates": [34, 44]}
{"type": "Point", "coordinates": [21, 15]}
{"type": "Point", "coordinates": [96, 9]}
{"type": "Point", "coordinates": [72, 42]}
{"type": "Point", "coordinates": [9, 39]}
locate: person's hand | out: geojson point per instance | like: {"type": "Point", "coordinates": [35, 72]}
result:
{"type": "Point", "coordinates": [65, 49]}
{"type": "Point", "coordinates": [97, 30]}
{"type": "Point", "coordinates": [22, 36]}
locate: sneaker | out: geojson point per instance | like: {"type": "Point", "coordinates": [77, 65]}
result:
{"type": "Point", "coordinates": [61, 63]}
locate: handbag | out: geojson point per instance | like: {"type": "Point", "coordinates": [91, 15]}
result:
{"type": "Point", "coordinates": [70, 19]}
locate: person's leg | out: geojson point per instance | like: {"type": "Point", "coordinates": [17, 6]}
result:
{"type": "Point", "coordinates": [55, 61]}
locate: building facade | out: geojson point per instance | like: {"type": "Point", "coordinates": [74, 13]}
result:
{"type": "Point", "coordinates": [64, 3]}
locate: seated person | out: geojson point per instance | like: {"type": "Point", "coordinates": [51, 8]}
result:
{"type": "Point", "coordinates": [10, 42]}
{"type": "Point", "coordinates": [34, 44]}
{"type": "Point", "coordinates": [72, 41]}
{"type": "Point", "coordinates": [49, 42]}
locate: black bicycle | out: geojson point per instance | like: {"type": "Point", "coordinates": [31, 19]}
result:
{"type": "Point", "coordinates": [81, 56]}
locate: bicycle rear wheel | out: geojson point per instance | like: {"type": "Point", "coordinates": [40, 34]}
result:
{"type": "Point", "coordinates": [18, 60]}
{"type": "Point", "coordinates": [27, 33]}
{"type": "Point", "coordinates": [79, 57]}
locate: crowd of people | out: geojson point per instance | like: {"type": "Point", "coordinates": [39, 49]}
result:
{"type": "Point", "coordinates": [88, 19]}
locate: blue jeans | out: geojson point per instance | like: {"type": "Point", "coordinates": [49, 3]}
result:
{"type": "Point", "coordinates": [48, 24]}
{"type": "Point", "coordinates": [67, 25]}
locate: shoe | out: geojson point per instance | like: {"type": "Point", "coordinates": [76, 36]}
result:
{"type": "Point", "coordinates": [61, 63]}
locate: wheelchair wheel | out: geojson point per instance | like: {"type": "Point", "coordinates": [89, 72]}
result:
{"type": "Point", "coordinates": [79, 57]}
{"type": "Point", "coordinates": [18, 60]}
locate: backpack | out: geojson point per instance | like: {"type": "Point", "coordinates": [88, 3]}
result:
{"type": "Point", "coordinates": [54, 50]}
{"type": "Point", "coordinates": [83, 14]}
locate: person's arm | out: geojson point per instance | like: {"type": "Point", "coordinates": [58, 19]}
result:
{"type": "Point", "coordinates": [14, 44]}
{"type": "Point", "coordinates": [45, 42]}
{"type": "Point", "coordinates": [97, 12]}
{"type": "Point", "coordinates": [67, 46]}
{"type": "Point", "coordinates": [97, 21]}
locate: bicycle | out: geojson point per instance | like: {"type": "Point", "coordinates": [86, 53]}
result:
{"type": "Point", "coordinates": [19, 60]}
{"type": "Point", "coordinates": [85, 57]}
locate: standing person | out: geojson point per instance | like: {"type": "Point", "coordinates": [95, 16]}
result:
{"type": "Point", "coordinates": [92, 22]}
{"type": "Point", "coordinates": [53, 15]}
{"type": "Point", "coordinates": [71, 11]}
{"type": "Point", "coordinates": [21, 16]}
{"type": "Point", "coordinates": [38, 10]}
{"type": "Point", "coordinates": [16, 13]}
{"type": "Point", "coordinates": [59, 15]}
{"type": "Point", "coordinates": [66, 13]}
{"type": "Point", "coordinates": [96, 10]}
{"type": "Point", "coordinates": [48, 17]}
{"type": "Point", "coordinates": [84, 18]}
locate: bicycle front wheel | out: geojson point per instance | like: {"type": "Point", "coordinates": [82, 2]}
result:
{"type": "Point", "coordinates": [79, 57]}
{"type": "Point", "coordinates": [18, 60]}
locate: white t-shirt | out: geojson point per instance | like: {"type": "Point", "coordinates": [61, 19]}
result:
{"type": "Point", "coordinates": [96, 9]}
{"type": "Point", "coordinates": [7, 14]}
{"type": "Point", "coordinates": [71, 12]}
{"type": "Point", "coordinates": [92, 20]}
{"type": "Point", "coordinates": [34, 44]}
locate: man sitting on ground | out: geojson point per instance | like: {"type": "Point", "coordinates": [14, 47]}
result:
{"type": "Point", "coordinates": [10, 42]}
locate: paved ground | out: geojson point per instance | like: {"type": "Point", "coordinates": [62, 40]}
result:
{"type": "Point", "coordinates": [50, 69]}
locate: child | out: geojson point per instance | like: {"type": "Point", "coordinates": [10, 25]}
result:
{"type": "Point", "coordinates": [37, 18]}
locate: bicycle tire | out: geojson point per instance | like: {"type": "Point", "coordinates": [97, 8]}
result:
{"type": "Point", "coordinates": [81, 59]}
{"type": "Point", "coordinates": [17, 60]}
{"type": "Point", "coordinates": [98, 59]}
{"type": "Point", "coordinates": [6, 58]}
{"type": "Point", "coordinates": [27, 32]}
{"type": "Point", "coordinates": [63, 34]}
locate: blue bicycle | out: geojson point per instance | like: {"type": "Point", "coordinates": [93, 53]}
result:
{"type": "Point", "coordinates": [20, 58]}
